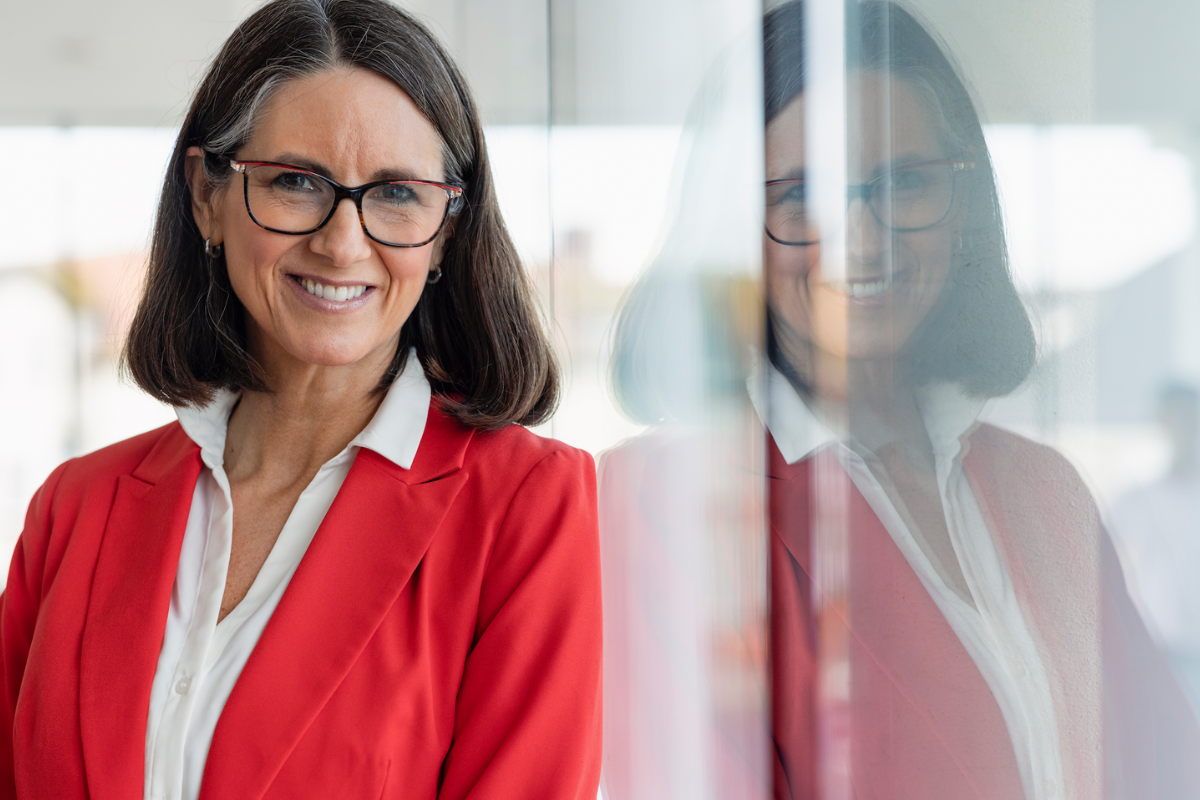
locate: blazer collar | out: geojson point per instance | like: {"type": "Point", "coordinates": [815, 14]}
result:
{"type": "Point", "coordinates": [127, 611]}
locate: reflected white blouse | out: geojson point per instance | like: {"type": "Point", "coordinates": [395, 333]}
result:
{"type": "Point", "coordinates": [993, 630]}
{"type": "Point", "coordinates": [201, 659]}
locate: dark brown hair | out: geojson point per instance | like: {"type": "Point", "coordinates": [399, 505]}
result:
{"type": "Point", "coordinates": [477, 330]}
{"type": "Point", "coordinates": [979, 333]}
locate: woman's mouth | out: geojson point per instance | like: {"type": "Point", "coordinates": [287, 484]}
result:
{"type": "Point", "coordinates": [335, 293]}
{"type": "Point", "coordinates": [861, 289]}
{"type": "Point", "coordinates": [342, 298]}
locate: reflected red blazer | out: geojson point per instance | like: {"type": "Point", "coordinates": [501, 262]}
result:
{"type": "Point", "coordinates": [922, 721]}
{"type": "Point", "coordinates": [440, 638]}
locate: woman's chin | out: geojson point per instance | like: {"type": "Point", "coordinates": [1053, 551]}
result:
{"type": "Point", "coordinates": [862, 347]}
{"type": "Point", "coordinates": [333, 356]}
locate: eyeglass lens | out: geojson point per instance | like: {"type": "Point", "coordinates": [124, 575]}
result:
{"type": "Point", "coordinates": [288, 201]}
{"type": "Point", "coordinates": [905, 199]}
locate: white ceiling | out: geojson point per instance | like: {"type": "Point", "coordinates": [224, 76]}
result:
{"type": "Point", "coordinates": [134, 62]}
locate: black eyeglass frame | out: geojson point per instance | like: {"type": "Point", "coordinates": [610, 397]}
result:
{"type": "Point", "coordinates": [454, 195]}
{"type": "Point", "coordinates": [864, 190]}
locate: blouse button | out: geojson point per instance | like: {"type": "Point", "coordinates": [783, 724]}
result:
{"type": "Point", "coordinates": [183, 685]}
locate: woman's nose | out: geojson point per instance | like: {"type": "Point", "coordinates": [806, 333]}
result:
{"type": "Point", "coordinates": [866, 239]}
{"type": "Point", "coordinates": [343, 240]}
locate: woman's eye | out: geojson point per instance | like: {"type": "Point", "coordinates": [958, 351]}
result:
{"type": "Point", "coordinates": [786, 194]}
{"type": "Point", "coordinates": [908, 180]}
{"type": "Point", "coordinates": [794, 194]}
{"type": "Point", "coordinates": [397, 193]}
{"type": "Point", "coordinates": [296, 182]}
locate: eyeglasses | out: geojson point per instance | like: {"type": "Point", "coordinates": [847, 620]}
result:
{"type": "Point", "coordinates": [287, 199]}
{"type": "Point", "coordinates": [909, 198]}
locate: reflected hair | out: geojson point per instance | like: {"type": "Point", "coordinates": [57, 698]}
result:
{"type": "Point", "coordinates": [978, 334]}
{"type": "Point", "coordinates": [477, 331]}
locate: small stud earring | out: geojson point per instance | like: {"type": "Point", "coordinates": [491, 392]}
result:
{"type": "Point", "coordinates": [213, 251]}
{"type": "Point", "coordinates": [435, 275]}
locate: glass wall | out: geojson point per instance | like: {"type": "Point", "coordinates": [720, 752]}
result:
{"type": "Point", "coordinates": [882, 321]}
{"type": "Point", "coordinates": [980, 407]}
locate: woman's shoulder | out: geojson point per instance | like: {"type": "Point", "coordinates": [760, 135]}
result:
{"type": "Point", "coordinates": [83, 489]}
{"type": "Point", "coordinates": [93, 477]}
{"type": "Point", "coordinates": [1030, 483]}
{"type": "Point", "coordinates": [518, 451]}
{"type": "Point", "coordinates": [126, 456]}
{"type": "Point", "coordinates": [1012, 456]}
{"type": "Point", "coordinates": [495, 462]}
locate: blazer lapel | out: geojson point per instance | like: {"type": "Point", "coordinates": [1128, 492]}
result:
{"type": "Point", "coordinates": [858, 577]}
{"type": "Point", "coordinates": [127, 613]}
{"type": "Point", "coordinates": [364, 553]}
{"type": "Point", "coordinates": [1047, 528]}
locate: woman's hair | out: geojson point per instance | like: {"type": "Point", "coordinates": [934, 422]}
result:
{"type": "Point", "coordinates": [477, 330]}
{"type": "Point", "coordinates": [978, 334]}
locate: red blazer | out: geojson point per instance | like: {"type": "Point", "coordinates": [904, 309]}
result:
{"type": "Point", "coordinates": [440, 638]}
{"type": "Point", "coordinates": [922, 722]}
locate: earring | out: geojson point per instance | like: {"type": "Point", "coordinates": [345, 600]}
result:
{"type": "Point", "coordinates": [435, 275]}
{"type": "Point", "coordinates": [213, 251]}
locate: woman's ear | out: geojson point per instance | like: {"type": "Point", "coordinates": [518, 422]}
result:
{"type": "Point", "coordinates": [439, 245]}
{"type": "Point", "coordinates": [204, 196]}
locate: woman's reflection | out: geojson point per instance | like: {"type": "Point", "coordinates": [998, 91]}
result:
{"type": "Point", "coordinates": [947, 620]}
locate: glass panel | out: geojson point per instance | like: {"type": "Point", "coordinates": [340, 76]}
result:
{"type": "Point", "coordinates": [960, 413]}
{"type": "Point", "coordinates": [656, 201]}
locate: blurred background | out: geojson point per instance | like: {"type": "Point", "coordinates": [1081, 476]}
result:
{"type": "Point", "coordinates": [1091, 108]}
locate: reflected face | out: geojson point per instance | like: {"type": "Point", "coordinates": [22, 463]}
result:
{"type": "Point", "coordinates": [891, 279]}
{"type": "Point", "coordinates": [352, 126]}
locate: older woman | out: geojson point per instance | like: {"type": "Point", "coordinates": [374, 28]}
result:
{"type": "Point", "coordinates": [346, 571]}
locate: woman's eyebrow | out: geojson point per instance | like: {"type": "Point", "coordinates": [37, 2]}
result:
{"type": "Point", "coordinates": [793, 174]}
{"type": "Point", "coordinates": [401, 174]}
{"type": "Point", "coordinates": [906, 160]}
{"type": "Point", "coordinates": [387, 174]}
{"type": "Point", "coordinates": [293, 160]}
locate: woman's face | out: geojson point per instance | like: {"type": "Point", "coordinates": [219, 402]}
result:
{"type": "Point", "coordinates": [891, 279]}
{"type": "Point", "coordinates": [353, 126]}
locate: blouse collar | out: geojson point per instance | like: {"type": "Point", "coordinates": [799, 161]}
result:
{"type": "Point", "coordinates": [949, 414]}
{"type": "Point", "coordinates": [394, 432]}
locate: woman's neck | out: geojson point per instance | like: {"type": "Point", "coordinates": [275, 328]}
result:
{"type": "Point", "coordinates": [875, 405]}
{"type": "Point", "coordinates": [311, 413]}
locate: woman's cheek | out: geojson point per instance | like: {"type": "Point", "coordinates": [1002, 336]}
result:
{"type": "Point", "coordinates": [788, 275]}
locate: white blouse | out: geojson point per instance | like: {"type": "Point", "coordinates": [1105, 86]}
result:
{"type": "Point", "coordinates": [201, 659]}
{"type": "Point", "coordinates": [993, 630]}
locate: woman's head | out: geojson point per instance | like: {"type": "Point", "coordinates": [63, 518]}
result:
{"type": "Point", "coordinates": [354, 91]}
{"type": "Point", "coordinates": [925, 280]}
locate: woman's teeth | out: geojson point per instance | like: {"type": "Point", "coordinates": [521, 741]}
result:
{"type": "Point", "coordinates": [338, 293]}
{"type": "Point", "coordinates": [858, 289]}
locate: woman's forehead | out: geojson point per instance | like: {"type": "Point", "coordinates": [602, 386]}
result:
{"type": "Point", "coordinates": [887, 119]}
{"type": "Point", "coordinates": [353, 122]}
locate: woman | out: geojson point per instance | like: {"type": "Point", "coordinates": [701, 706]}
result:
{"type": "Point", "coordinates": [947, 617]}
{"type": "Point", "coordinates": [346, 571]}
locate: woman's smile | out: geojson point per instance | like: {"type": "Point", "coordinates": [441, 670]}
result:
{"type": "Point", "coordinates": [329, 295]}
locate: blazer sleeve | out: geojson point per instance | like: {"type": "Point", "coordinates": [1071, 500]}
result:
{"type": "Point", "coordinates": [528, 718]}
{"type": "Point", "coordinates": [19, 606]}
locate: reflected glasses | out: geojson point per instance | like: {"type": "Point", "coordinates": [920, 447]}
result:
{"type": "Point", "coordinates": [906, 199]}
{"type": "Point", "coordinates": [287, 199]}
